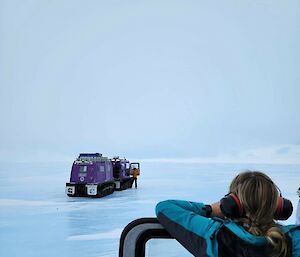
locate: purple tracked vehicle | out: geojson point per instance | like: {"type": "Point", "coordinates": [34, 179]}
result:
{"type": "Point", "coordinates": [91, 175]}
{"type": "Point", "coordinates": [122, 172]}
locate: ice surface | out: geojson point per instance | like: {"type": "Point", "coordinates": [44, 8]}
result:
{"type": "Point", "coordinates": [38, 219]}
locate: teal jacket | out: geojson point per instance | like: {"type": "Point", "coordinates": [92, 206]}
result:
{"type": "Point", "coordinates": [214, 237]}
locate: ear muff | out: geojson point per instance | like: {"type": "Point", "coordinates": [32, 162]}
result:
{"type": "Point", "coordinates": [231, 206]}
{"type": "Point", "coordinates": [284, 209]}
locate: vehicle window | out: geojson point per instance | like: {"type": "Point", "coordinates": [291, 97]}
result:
{"type": "Point", "coordinates": [83, 169]}
{"type": "Point", "coordinates": [102, 168]}
{"type": "Point", "coordinates": [165, 248]}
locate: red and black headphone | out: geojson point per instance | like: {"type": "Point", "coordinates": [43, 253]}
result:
{"type": "Point", "coordinates": [231, 207]}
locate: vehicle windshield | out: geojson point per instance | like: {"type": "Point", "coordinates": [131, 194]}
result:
{"type": "Point", "coordinates": [82, 169]}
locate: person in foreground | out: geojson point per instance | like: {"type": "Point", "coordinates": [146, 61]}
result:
{"type": "Point", "coordinates": [241, 224]}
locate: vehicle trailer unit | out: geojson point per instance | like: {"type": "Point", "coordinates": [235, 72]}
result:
{"type": "Point", "coordinates": [121, 173]}
{"type": "Point", "coordinates": [91, 175]}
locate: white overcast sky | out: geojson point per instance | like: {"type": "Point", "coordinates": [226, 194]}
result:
{"type": "Point", "coordinates": [148, 79]}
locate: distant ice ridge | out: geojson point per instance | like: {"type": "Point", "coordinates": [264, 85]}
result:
{"type": "Point", "coordinates": [280, 154]}
{"type": "Point", "coordinates": [273, 154]}
{"type": "Point", "coordinates": [116, 233]}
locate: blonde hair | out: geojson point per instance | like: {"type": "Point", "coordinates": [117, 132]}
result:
{"type": "Point", "coordinates": [258, 195]}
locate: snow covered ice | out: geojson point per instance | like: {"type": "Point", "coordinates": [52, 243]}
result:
{"type": "Point", "coordinates": [38, 219]}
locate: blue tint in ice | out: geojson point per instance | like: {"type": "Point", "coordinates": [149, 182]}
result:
{"type": "Point", "coordinates": [38, 219]}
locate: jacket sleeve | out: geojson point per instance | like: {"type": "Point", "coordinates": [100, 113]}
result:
{"type": "Point", "coordinates": [187, 223]}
